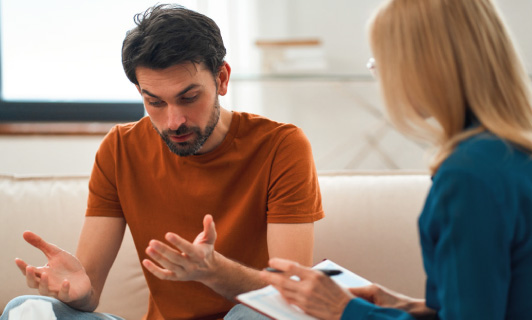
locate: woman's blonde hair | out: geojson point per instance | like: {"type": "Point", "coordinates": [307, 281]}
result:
{"type": "Point", "coordinates": [449, 60]}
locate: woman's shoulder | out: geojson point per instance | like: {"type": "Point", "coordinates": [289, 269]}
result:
{"type": "Point", "coordinates": [485, 153]}
{"type": "Point", "coordinates": [488, 160]}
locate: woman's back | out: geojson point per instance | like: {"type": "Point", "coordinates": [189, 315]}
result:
{"type": "Point", "coordinates": [476, 232]}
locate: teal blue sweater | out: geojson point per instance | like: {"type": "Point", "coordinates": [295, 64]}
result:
{"type": "Point", "coordinates": [476, 236]}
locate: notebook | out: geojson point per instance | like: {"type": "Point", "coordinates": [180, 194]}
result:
{"type": "Point", "coordinates": [269, 302]}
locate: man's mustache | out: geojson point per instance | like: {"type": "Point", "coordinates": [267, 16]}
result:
{"type": "Point", "coordinates": [180, 131]}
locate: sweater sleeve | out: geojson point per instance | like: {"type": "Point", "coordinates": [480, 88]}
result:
{"type": "Point", "coordinates": [361, 309]}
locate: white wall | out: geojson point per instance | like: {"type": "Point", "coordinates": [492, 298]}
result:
{"type": "Point", "coordinates": [48, 154]}
{"type": "Point", "coordinates": [341, 24]}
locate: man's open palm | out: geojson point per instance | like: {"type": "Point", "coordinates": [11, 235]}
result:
{"type": "Point", "coordinates": [63, 277]}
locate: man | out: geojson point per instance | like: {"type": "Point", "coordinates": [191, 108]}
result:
{"type": "Point", "coordinates": [191, 162]}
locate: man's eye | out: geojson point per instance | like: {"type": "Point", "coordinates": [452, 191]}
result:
{"type": "Point", "coordinates": [155, 103]}
{"type": "Point", "coordinates": [190, 99]}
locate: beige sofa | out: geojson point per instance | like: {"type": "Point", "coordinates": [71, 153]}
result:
{"type": "Point", "coordinates": [370, 228]}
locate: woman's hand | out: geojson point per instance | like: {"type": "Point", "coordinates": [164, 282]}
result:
{"type": "Point", "coordinates": [315, 293]}
{"type": "Point", "coordinates": [387, 298]}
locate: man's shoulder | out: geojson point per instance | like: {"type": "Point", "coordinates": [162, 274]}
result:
{"type": "Point", "coordinates": [122, 134]}
{"type": "Point", "coordinates": [260, 125]}
{"type": "Point", "coordinates": [134, 130]}
{"type": "Point", "coordinates": [129, 128]}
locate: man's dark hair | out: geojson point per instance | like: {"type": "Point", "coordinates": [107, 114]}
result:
{"type": "Point", "coordinates": [168, 35]}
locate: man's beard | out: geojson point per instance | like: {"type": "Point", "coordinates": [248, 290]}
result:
{"type": "Point", "coordinates": [191, 147]}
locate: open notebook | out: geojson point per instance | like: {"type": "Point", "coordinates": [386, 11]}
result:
{"type": "Point", "coordinates": [269, 302]}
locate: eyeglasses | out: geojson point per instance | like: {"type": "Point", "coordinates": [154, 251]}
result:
{"type": "Point", "coordinates": [372, 66]}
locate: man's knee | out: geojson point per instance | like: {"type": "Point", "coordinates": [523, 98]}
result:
{"type": "Point", "coordinates": [241, 312]}
{"type": "Point", "coordinates": [21, 299]}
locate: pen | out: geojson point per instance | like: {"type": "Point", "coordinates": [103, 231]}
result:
{"type": "Point", "coordinates": [327, 272]}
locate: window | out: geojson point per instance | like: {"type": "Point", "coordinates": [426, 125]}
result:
{"type": "Point", "coordinates": [60, 60]}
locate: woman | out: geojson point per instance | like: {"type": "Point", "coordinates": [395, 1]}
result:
{"type": "Point", "coordinates": [449, 72]}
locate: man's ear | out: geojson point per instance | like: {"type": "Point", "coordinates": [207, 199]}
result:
{"type": "Point", "coordinates": [223, 78]}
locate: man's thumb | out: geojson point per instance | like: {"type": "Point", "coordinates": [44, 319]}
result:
{"type": "Point", "coordinates": [209, 231]}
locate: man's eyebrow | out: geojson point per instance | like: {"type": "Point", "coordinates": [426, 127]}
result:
{"type": "Point", "coordinates": [187, 89]}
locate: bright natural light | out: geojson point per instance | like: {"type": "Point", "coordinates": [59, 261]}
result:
{"type": "Point", "coordinates": [64, 50]}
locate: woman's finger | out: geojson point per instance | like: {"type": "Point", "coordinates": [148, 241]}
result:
{"type": "Point", "coordinates": [292, 268]}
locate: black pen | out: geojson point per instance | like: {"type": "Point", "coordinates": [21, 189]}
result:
{"type": "Point", "coordinates": [327, 272]}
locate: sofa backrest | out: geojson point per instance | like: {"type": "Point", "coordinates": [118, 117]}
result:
{"type": "Point", "coordinates": [54, 207]}
{"type": "Point", "coordinates": [370, 228]}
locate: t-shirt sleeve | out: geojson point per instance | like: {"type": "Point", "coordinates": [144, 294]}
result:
{"type": "Point", "coordinates": [361, 309]}
{"type": "Point", "coordinates": [103, 198]}
{"type": "Point", "coordinates": [294, 192]}
{"type": "Point", "coordinates": [470, 235]}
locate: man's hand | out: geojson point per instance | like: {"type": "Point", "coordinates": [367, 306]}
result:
{"type": "Point", "coordinates": [63, 277]}
{"type": "Point", "coordinates": [184, 261]}
{"type": "Point", "coordinates": [315, 293]}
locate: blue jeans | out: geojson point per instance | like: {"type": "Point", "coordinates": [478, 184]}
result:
{"type": "Point", "coordinates": [241, 312]}
{"type": "Point", "coordinates": [61, 310]}
{"type": "Point", "coordinates": [64, 312]}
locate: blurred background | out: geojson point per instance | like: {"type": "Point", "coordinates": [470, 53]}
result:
{"type": "Point", "coordinates": [296, 61]}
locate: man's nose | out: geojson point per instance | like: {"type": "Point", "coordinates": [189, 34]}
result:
{"type": "Point", "coordinates": [175, 117]}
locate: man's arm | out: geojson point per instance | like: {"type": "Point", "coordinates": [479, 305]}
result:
{"type": "Point", "coordinates": [197, 261]}
{"type": "Point", "coordinates": [77, 281]}
{"type": "Point", "coordinates": [291, 241]}
{"type": "Point", "coordinates": [98, 246]}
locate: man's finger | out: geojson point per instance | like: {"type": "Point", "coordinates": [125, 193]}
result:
{"type": "Point", "coordinates": [63, 292]}
{"type": "Point", "coordinates": [21, 265]}
{"type": "Point", "coordinates": [209, 231]}
{"type": "Point", "coordinates": [168, 259]}
{"type": "Point", "coordinates": [44, 289]}
{"type": "Point", "coordinates": [160, 273]}
{"type": "Point", "coordinates": [180, 243]}
{"type": "Point", "coordinates": [31, 279]}
{"type": "Point", "coordinates": [47, 248]}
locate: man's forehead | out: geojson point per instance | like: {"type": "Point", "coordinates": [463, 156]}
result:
{"type": "Point", "coordinates": [190, 68]}
{"type": "Point", "coordinates": [180, 75]}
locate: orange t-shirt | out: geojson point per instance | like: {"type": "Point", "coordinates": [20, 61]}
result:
{"type": "Point", "coordinates": [263, 172]}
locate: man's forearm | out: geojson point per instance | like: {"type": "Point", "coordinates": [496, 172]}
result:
{"type": "Point", "coordinates": [231, 278]}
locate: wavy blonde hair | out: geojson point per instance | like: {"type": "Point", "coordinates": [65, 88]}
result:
{"type": "Point", "coordinates": [439, 60]}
